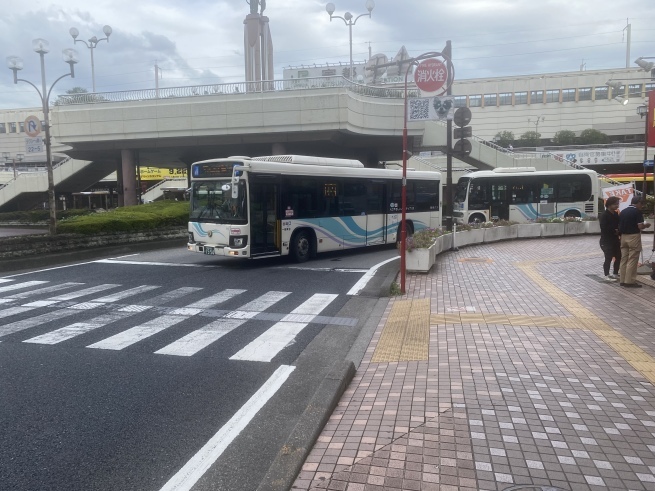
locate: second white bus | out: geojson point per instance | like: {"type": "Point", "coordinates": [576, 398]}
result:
{"type": "Point", "coordinates": [523, 194]}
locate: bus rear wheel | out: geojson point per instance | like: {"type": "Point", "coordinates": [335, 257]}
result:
{"type": "Point", "coordinates": [572, 214]}
{"type": "Point", "coordinates": [301, 246]}
{"type": "Point", "coordinates": [477, 218]}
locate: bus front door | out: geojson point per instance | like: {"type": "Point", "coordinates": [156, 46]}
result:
{"type": "Point", "coordinates": [264, 234]}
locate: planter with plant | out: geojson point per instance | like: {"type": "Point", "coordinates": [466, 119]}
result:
{"type": "Point", "coordinates": [551, 227]}
{"type": "Point", "coordinates": [574, 226]}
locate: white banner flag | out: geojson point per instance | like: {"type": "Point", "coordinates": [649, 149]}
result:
{"type": "Point", "coordinates": [625, 193]}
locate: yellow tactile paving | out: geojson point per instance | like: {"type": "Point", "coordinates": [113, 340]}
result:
{"type": "Point", "coordinates": [630, 352]}
{"type": "Point", "coordinates": [406, 334]}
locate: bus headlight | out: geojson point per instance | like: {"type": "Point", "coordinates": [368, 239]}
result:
{"type": "Point", "coordinates": [238, 241]}
{"type": "Point", "coordinates": [191, 239]}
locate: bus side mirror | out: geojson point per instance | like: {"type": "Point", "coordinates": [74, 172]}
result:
{"type": "Point", "coordinates": [235, 190]}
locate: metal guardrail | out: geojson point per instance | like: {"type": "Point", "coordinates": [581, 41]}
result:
{"type": "Point", "coordinates": [230, 89]}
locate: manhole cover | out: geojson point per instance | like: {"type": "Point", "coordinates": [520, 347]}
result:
{"type": "Point", "coordinates": [475, 260]}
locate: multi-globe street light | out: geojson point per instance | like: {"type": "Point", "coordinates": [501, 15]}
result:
{"type": "Point", "coordinates": [91, 44]}
{"type": "Point", "coordinates": [348, 20]}
{"type": "Point", "coordinates": [16, 158]}
{"type": "Point", "coordinates": [15, 63]}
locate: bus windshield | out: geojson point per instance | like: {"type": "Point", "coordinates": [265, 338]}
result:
{"type": "Point", "coordinates": [462, 188]}
{"type": "Point", "coordinates": [212, 201]}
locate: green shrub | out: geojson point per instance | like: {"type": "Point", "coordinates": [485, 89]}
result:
{"type": "Point", "coordinates": [150, 216]}
{"type": "Point", "coordinates": [423, 238]}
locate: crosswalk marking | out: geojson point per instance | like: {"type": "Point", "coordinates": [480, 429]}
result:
{"type": "Point", "coordinates": [138, 333]}
{"type": "Point", "coordinates": [174, 295]}
{"type": "Point", "coordinates": [150, 328]}
{"type": "Point", "coordinates": [193, 342]}
{"type": "Point", "coordinates": [84, 292]}
{"type": "Point", "coordinates": [34, 321]}
{"type": "Point", "coordinates": [278, 337]}
{"type": "Point", "coordinates": [14, 311]}
{"type": "Point", "coordinates": [73, 330]}
{"type": "Point", "coordinates": [197, 340]}
{"type": "Point", "coordinates": [18, 286]}
{"type": "Point", "coordinates": [125, 294]}
{"type": "Point", "coordinates": [5, 280]}
{"type": "Point", "coordinates": [157, 317]}
{"type": "Point", "coordinates": [47, 289]}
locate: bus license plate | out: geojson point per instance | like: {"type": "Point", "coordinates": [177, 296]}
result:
{"type": "Point", "coordinates": [209, 251]}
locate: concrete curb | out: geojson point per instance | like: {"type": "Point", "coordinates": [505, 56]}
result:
{"type": "Point", "coordinates": [55, 259]}
{"type": "Point", "coordinates": [289, 460]}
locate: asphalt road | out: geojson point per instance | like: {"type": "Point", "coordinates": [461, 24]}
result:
{"type": "Point", "coordinates": [169, 370]}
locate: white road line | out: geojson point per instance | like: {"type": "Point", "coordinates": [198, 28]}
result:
{"type": "Point", "coordinates": [195, 468]}
{"type": "Point", "coordinates": [213, 300]}
{"type": "Point", "coordinates": [174, 295]}
{"type": "Point", "coordinates": [137, 333]}
{"type": "Point", "coordinates": [126, 293]}
{"type": "Point", "coordinates": [35, 321]}
{"type": "Point", "coordinates": [73, 330]}
{"type": "Point", "coordinates": [359, 286]}
{"type": "Point", "coordinates": [14, 311]}
{"type": "Point", "coordinates": [86, 291]}
{"type": "Point", "coordinates": [47, 289]}
{"type": "Point", "coordinates": [18, 286]}
{"type": "Point", "coordinates": [201, 338]}
{"type": "Point", "coordinates": [2, 280]}
{"type": "Point", "coordinates": [280, 335]}
{"type": "Point", "coordinates": [193, 342]}
{"type": "Point", "coordinates": [153, 263]}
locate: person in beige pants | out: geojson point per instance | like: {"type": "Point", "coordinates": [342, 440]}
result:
{"type": "Point", "coordinates": [631, 223]}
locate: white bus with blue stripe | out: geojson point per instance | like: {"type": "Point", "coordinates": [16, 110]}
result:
{"type": "Point", "coordinates": [523, 195]}
{"type": "Point", "coordinates": [300, 206]}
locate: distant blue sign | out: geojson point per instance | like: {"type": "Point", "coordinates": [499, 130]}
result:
{"type": "Point", "coordinates": [648, 163]}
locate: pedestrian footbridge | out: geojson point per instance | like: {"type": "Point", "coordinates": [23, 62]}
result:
{"type": "Point", "coordinates": [109, 132]}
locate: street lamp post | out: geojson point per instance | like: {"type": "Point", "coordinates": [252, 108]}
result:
{"type": "Point", "coordinates": [17, 158]}
{"type": "Point", "coordinates": [642, 110]}
{"type": "Point", "coordinates": [15, 64]}
{"type": "Point", "coordinates": [536, 129]}
{"type": "Point", "coordinates": [91, 44]}
{"type": "Point", "coordinates": [348, 20]}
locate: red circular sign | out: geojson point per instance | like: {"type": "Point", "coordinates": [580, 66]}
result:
{"type": "Point", "coordinates": [430, 75]}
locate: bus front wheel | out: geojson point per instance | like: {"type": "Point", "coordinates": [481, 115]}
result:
{"type": "Point", "coordinates": [301, 246]}
{"type": "Point", "coordinates": [572, 214]}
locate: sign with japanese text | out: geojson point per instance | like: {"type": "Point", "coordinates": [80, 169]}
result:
{"type": "Point", "coordinates": [625, 193]}
{"type": "Point", "coordinates": [34, 145]}
{"type": "Point", "coordinates": [431, 75]}
{"type": "Point", "coordinates": [157, 174]}
{"type": "Point", "coordinates": [590, 157]}
{"type": "Point", "coordinates": [430, 108]}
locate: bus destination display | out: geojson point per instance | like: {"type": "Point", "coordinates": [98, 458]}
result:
{"type": "Point", "coordinates": [214, 169]}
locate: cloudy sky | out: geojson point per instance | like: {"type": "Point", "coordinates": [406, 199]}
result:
{"type": "Point", "coordinates": [201, 41]}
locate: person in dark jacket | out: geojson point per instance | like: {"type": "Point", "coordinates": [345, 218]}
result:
{"type": "Point", "coordinates": [610, 242]}
{"type": "Point", "coordinates": [631, 223]}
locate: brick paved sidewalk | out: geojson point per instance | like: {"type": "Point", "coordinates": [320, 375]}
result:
{"type": "Point", "coordinates": [510, 364]}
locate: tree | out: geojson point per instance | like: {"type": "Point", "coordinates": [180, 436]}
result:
{"type": "Point", "coordinates": [564, 137]}
{"type": "Point", "coordinates": [591, 136]}
{"type": "Point", "coordinates": [529, 139]}
{"type": "Point", "coordinates": [77, 90]}
{"type": "Point", "coordinates": [504, 138]}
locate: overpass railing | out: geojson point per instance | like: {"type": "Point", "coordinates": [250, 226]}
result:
{"type": "Point", "coordinates": [240, 88]}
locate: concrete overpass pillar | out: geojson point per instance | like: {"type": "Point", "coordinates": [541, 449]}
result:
{"type": "Point", "coordinates": [278, 149]}
{"type": "Point", "coordinates": [128, 165]}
